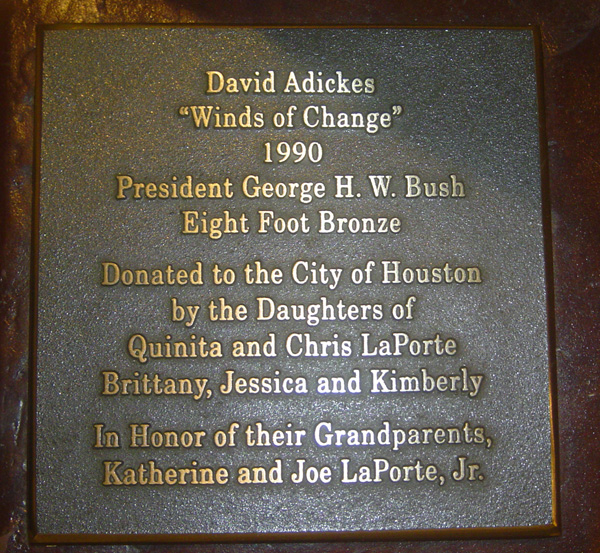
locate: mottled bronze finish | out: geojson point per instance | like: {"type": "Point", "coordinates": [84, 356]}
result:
{"type": "Point", "coordinates": [497, 309]}
{"type": "Point", "coordinates": [571, 45]}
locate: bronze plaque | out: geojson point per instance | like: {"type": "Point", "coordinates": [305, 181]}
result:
{"type": "Point", "coordinates": [290, 284]}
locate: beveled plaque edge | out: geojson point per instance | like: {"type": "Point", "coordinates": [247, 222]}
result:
{"type": "Point", "coordinates": [549, 267]}
{"type": "Point", "coordinates": [362, 535]}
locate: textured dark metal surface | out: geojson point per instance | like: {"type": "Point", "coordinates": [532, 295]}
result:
{"type": "Point", "coordinates": [111, 106]}
{"type": "Point", "coordinates": [570, 44]}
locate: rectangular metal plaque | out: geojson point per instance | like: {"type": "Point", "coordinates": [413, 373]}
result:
{"type": "Point", "coordinates": [289, 284]}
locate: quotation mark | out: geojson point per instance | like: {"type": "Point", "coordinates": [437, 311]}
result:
{"type": "Point", "coordinates": [396, 110]}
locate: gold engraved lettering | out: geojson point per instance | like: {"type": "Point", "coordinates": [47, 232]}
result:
{"type": "Point", "coordinates": [150, 474]}
{"type": "Point", "coordinates": [127, 188]}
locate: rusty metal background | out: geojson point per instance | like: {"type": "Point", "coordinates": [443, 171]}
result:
{"type": "Point", "coordinates": [570, 43]}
